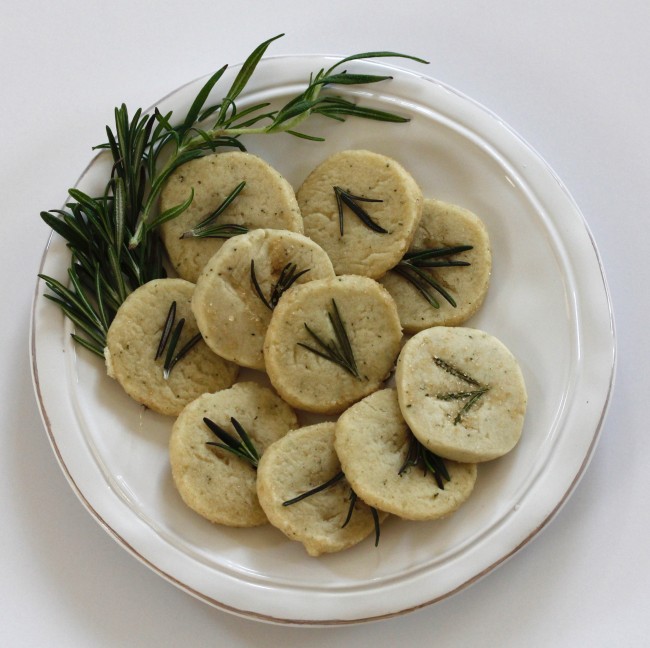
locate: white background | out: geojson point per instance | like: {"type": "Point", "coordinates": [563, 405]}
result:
{"type": "Point", "coordinates": [570, 76]}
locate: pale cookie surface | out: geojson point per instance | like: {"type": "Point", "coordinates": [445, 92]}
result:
{"type": "Point", "coordinates": [267, 200]}
{"type": "Point", "coordinates": [365, 174]}
{"type": "Point", "coordinates": [372, 442]}
{"type": "Point", "coordinates": [444, 226]}
{"type": "Point", "coordinates": [314, 383]}
{"type": "Point", "coordinates": [229, 312]}
{"type": "Point", "coordinates": [213, 482]}
{"type": "Point", "coordinates": [302, 460]}
{"type": "Point", "coordinates": [462, 393]}
{"type": "Point", "coordinates": [133, 339]}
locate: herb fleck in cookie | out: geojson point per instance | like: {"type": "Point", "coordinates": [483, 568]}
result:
{"type": "Point", "coordinates": [363, 209]}
{"type": "Point", "coordinates": [444, 277]}
{"type": "Point", "coordinates": [330, 518]}
{"type": "Point", "coordinates": [462, 393]}
{"type": "Point", "coordinates": [155, 351]}
{"type": "Point", "coordinates": [215, 446]}
{"type": "Point", "coordinates": [331, 342]}
{"type": "Point", "coordinates": [242, 283]}
{"type": "Point", "coordinates": [389, 469]}
{"type": "Point", "coordinates": [266, 200]}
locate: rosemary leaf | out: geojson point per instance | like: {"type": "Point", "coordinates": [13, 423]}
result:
{"type": "Point", "coordinates": [338, 350]}
{"type": "Point", "coordinates": [206, 228]}
{"type": "Point", "coordinates": [243, 448]}
{"type": "Point", "coordinates": [288, 276]}
{"type": "Point", "coordinates": [419, 455]}
{"type": "Point", "coordinates": [410, 267]}
{"type": "Point", "coordinates": [471, 397]}
{"type": "Point", "coordinates": [352, 202]}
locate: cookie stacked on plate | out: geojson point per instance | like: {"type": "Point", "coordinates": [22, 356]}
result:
{"type": "Point", "coordinates": [337, 420]}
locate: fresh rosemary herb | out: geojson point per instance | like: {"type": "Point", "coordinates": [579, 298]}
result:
{"type": "Point", "coordinates": [172, 335]}
{"type": "Point", "coordinates": [430, 462]}
{"type": "Point", "coordinates": [288, 276]}
{"type": "Point", "coordinates": [338, 350]}
{"type": "Point", "coordinates": [207, 229]}
{"type": "Point", "coordinates": [410, 267]}
{"type": "Point", "coordinates": [113, 238]}
{"type": "Point", "coordinates": [244, 448]}
{"type": "Point", "coordinates": [471, 397]}
{"type": "Point", "coordinates": [353, 500]}
{"type": "Point", "coordinates": [352, 202]}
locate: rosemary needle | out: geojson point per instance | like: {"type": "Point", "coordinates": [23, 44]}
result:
{"type": "Point", "coordinates": [352, 202]}
{"type": "Point", "coordinates": [471, 397]}
{"type": "Point", "coordinates": [288, 276]}
{"type": "Point", "coordinates": [338, 350]}
{"type": "Point", "coordinates": [244, 448]}
{"type": "Point", "coordinates": [169, 339]}
{"type": "Point", "coordinates": [430, 462]}
{"type": "Point", "coordinates": [207, 229]}
{"type": "Point", "coordinates": [353, 500]}
{"type": "Point", "coordinates": [412, 268]}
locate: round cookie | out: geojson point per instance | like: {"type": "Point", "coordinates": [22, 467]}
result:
{"type": "Point", "coordinates": [373, 443]}
{"type": "Point", "coordinates": [213, 482]}
{"type": "Point", "coordinates": [444, 226]}
{"type": "Point", "coordinates": [229, 312]}
{"type": "Point", "coordinates": [267, 200]}
{"type": "Point", "coordinates": [369, 319]}
{"type": "Point", "coordinates": [462, 393]}
{"type": "Point", "coordinates": [361, 174]}
{"type": "Point", "coordinates": [302, 460]}
{"type": "Point", "coordinates": [132, 343]}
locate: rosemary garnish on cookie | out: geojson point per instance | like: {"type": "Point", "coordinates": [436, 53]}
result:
{"type": "Point", "coordinates": [207, 229]}
{"type": "Point", "coordinates": [352, 202]}
{"type": "Point", "coordinates": [353, 500]}
{"type": "Point", "coordinates": [470, 396]}
{"type": "Point", "coordinates": [411, 268]}
{"type": "Point", "coordinates": [418, 455]}
{"type": "Point", "coordinates": [244, 448]}
{"type": "Point", "coordinates": [172, 335]}
{"type": "Point", "coordinates": [337, 350]}
{"type": "Point", "coordinates": [113, 237]}
{"type": "Point", "coordinates": [288, 276]}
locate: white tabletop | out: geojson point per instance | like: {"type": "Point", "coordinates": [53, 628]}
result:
{"type": "Point", "coordinates": [570, 76]}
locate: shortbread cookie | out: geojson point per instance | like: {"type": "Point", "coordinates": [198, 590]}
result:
{"type": "Point", "coordinates": [374, 444]}
{"type": "Point", "coordinates": [133, 341]}
{"type": "Point", "coordinates": [443, 229]}
{"type": "Point", "coordinates": [230, 312]}
{"type": "Point", "coordinates": [462, 393]}
{"type": "Point", "coordinates": [369, 320]}
{"type": "Point", "coordinates": [362, 176]}
{"type": "Point", "coordinates": [213, 482]}
{"type": "Point", "coordinates": [267, 200]}
{"type": "Point", "coordinates": [302, 460]}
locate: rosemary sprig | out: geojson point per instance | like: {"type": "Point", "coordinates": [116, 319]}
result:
{"type": "Point", "coordinates": [471, 397]}
{"type": "Point", "coordinates": [430, 462]}
{"type": "Point", "coordinates": [352, 202]}
{"type": "Point", "coordinates": [288, 276]}
{"type": "Point", "coordinates": [244, 448]}
{"type": "Point", "coordinates": [172, 335]}
{"type": "Point", "coordinates": [113, 238]}
{"type": "Point", "coordinates": [207, 229]}
{"type": "Point", "coordinates": [410, 267]}
{"type": "Point", "coordinates": [352, 498]}
{"type": "Point", "coordinates": [337, 350]}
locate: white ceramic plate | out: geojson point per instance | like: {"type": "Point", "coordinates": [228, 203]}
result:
{"type": "Point", "coordinates": [548, 303]}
